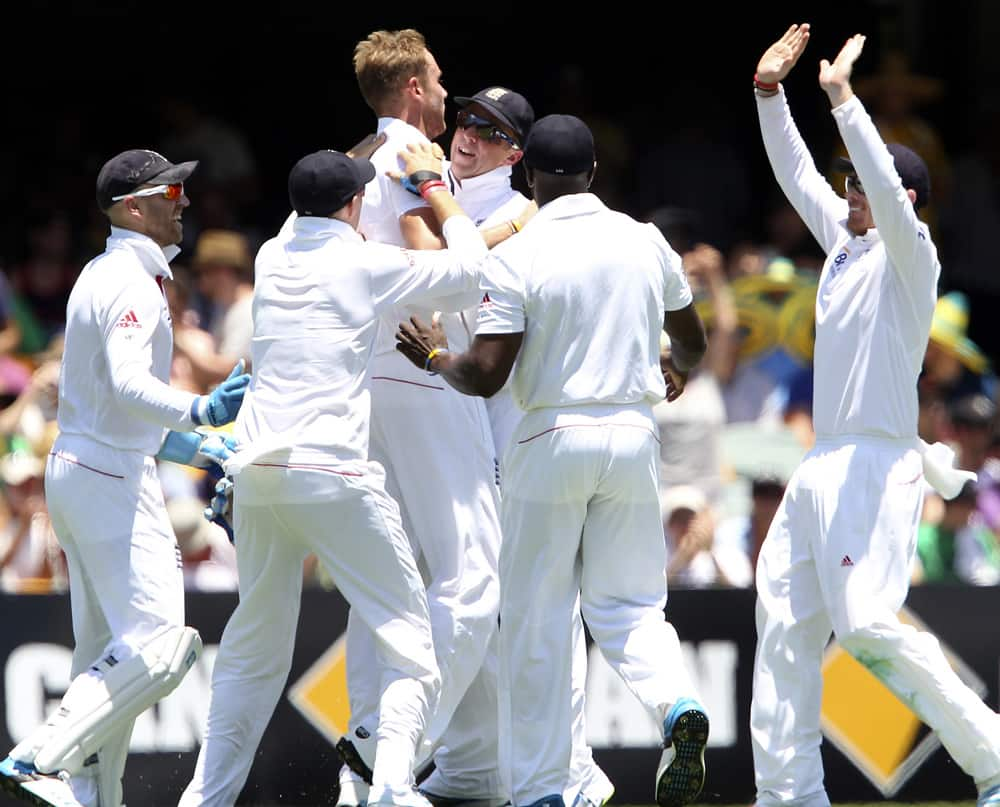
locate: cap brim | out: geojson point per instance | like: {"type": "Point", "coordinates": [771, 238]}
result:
{"type": "Point", "coordinates": [496, 112]}
{"type": "Point", "coordinates": [843, 165]}
{"type": "Point", "coordinates": [175, 173]}
{"type": "Point", "coordinates": [365, 168]}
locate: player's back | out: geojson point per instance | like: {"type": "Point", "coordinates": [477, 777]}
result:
{"type": "Point", "coordinates": [595, 284]}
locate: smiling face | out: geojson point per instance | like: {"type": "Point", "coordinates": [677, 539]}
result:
{"type": "Point", "coordinates": [859, 215]}
{"type": "Point", "coordinates": [155, 216]}
{"type": "Point", "coordinates": [472, 155]}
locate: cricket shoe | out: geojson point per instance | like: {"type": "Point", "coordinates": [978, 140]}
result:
{"type": "Point", "coordinates": [989, 798]}
{"type": "Point", "coordinates": [353, 791]}
{"type": "Point", "coordinates": [23, 781]}
{"type": "Point", "coordinates": [389, 796]}
{"type": "Point", "coordinates": [681, 773]}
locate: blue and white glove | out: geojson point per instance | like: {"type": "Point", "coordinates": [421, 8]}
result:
{"type": "Point", "coordinates": [220, 509]}
{"type": "Point", "coordinates": [223, 403]}
{"type": "Point", "coordinates": [197, 449]}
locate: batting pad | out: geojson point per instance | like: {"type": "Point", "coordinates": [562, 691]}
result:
{"type": "Point", "coordinates": [126, 690]}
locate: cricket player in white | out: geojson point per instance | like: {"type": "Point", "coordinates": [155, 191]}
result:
{"type": "Point", "coordinates": [487, 143]}
{"type": "Point", "coordinates": [303, 481]}
{"type": "Point", "coordinates": [104, 495]}
{"type": "Point", "coordinates": [443, 479]}
{"type": "Point", "coordinates": [580, 509]}
{"type": "Point", "coordinates": [838, 554]}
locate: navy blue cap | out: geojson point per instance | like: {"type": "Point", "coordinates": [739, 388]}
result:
{"type": "Point", "coordinates": [560, 144]}
{"type": "Point", "coordinates": [911, 168]}
{"type": "Point", "coordinates": [323, 182]}
{"type": "Point", "coordinates": [131, 169]}
{"type": "Point", "coordinates": [509, 108]}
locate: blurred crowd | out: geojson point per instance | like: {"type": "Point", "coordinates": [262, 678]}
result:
{"type": "Point", "coordinates": [729, 444]}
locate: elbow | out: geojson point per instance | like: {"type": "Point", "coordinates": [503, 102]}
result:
{"type": "Point", "coordinates": [487, 387]}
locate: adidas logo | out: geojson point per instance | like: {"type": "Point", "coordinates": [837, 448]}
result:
{"type": "Point", "coordinates": [129, 320]}
{"type": "Point", "coordinates": [486, 299]}
{"type": "Point", "coordinates": [846, 561]}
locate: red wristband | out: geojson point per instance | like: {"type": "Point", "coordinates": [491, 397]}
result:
{"type": "Point", "coordinates": [430, 186]}
{"type": "Point", "coordinates": [763, 85]}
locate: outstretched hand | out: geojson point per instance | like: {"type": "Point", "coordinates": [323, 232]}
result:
{"type": "Point", "coordinates": [419, 157]}
{"type": "Point", "coordinates": [779, 59]}
{"type": "Point", "coordinates": [835, 78]}
{"type": "Point", "coordinates": [416, 340]}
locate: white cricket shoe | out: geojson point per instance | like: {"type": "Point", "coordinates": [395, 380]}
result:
{"type": "Point", "coordinates": [353, 791]}
{"type": "Point", "coordinates": [680, 775]}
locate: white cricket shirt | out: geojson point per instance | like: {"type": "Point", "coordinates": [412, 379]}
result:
{"type": "Point", "coordinates": [588, 287]}
{"type": "Point", "coordinates": [114, 382]}
{"type": "Point", "coordinates": [876, 291]}
{"type": "Point", "coordinates": [317, 300]}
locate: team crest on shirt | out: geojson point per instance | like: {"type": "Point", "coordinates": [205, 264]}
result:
{"type": "Point", "coordinates": [129, 320]}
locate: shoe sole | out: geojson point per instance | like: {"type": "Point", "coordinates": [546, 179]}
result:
{"type": "Point", "coordinates": [16, 789]}
{"type": "Point", "coordinates": [684, 777]}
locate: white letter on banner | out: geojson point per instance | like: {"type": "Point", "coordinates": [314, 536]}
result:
{"type": "Point", "coordinates": [35, 677]}
{"type": "Point", "coordinates": [616, 719]}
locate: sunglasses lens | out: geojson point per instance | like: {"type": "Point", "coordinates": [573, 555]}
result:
{"type": "Point", "coordinates": [173, 192]}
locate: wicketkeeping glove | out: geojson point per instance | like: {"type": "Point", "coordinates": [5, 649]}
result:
{"type": "Point", "coordinates": [197, 449]}
{"type": "Point", "coordinates": [223, 403]}
{"type": "Point", "coordinates": [220, 509]}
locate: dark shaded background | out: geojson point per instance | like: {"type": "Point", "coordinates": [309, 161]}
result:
{"type": "Point", "coordinates": [82, 81]}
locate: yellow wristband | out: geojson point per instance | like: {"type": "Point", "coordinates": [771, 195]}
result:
{"type": "Point", "coordinates": [433, 353]}
{"type": "Point", "coordinates": [430, 357]}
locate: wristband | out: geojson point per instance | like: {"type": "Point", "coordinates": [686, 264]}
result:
{"type": "Point", "coordinates": [412, 182]}
{"type": "Point", "coordinates": [430, 186]}
{"type": "Point", "coordinates": [430, 357]}
{"type": "Point", "coordinates": [763, 85]}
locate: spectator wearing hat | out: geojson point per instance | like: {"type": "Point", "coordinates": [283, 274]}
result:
{"type": "Point", "coordinates": [223, 269]}
{"type": "Point", "coordinates": [580, 510]}
{"type": "Point", "coordinates": [116, 415]}
{"type": "Point", "coordinates": [30, 557]}
{"type": "Point", "coordinates": [696, 558]}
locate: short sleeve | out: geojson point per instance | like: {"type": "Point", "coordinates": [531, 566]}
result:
{"type": "Point", "coordinates": [676, 291]}
{"type": "Point", "coordinates": [501, 308]}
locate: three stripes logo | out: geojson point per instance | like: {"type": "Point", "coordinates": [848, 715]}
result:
{"type": "Point", "coordinates": [129, 320]}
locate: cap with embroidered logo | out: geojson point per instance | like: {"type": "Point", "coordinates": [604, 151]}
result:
{"type": "Point", "coordinates": [131, 169]}
{"type": "Point", "coordinates": [509, 108]}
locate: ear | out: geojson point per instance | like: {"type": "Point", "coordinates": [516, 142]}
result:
{"type": "Point", "coordinates": [911, 195]}
{"type": "Point", "coordinates": [514, 158]}
{"type": "Point", "coordinates": [413, 86]}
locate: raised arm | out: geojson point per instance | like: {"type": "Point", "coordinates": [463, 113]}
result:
{"type": "Point", "coordinates": [820, 207]}
{"type": "Point", "coordinates": [906, 238]}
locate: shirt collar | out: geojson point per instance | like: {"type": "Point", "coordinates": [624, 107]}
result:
{"type": "Point", "coordinates": [395, 127]}
{"type": "Point", "coordinates": [316, 227]}
{"type": "Point", "coordinates": [483, 184]}
{"type": "Point", "coordinates": [154, 258]}
{"type": "Point", "coordinates": [571, 205]}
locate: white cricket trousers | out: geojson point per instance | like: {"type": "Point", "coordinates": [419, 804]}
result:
{"type": "Point", "coordinates": [125, 576]}
{"type": "Point", "coordinates": [437, 449]}
{"type": "Point", "coordinates": [580, 517]}
{"type": "Point", "coordinates": [838, 558]}
{"type": "Point", "coordinates": [282, 512]}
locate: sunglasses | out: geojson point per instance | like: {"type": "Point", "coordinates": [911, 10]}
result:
{"type": "Point", "coordinates": [172, 192]}
{"type": "Point", "coordinates": [852, 183]}
{"type": "Point", "coordinates": [485, 130]}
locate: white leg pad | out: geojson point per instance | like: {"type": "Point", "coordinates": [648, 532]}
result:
{"type": "Point", "coordinates": [123, 691]}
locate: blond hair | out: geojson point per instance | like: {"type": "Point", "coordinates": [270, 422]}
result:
{"type": "Point", "coordinates": [385, 61]}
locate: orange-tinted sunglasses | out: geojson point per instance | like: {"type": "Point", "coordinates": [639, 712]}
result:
{"type": "Point", "coordinates": [172, 192]}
